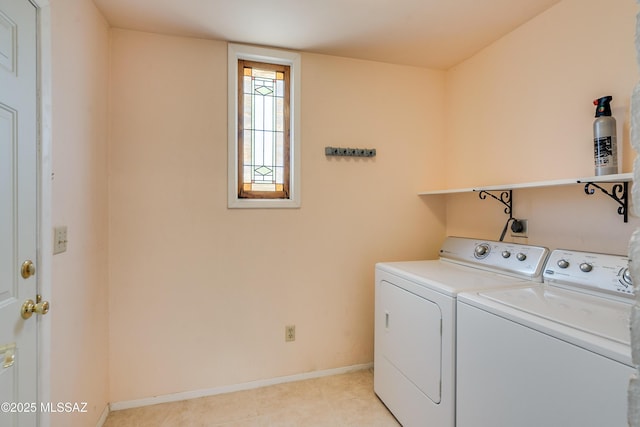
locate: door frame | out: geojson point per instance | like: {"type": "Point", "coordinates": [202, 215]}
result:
{"type": "Point", "coordinates": [43, 179]}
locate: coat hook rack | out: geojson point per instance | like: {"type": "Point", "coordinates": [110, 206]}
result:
{"type": "Point", "coordinates": [351, 152]}
{"type": "Point", "coordinates": [505, 198]}
{"type": "Point", "coordinates": [619, 193]}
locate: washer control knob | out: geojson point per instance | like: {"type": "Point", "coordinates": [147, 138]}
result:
{"type": "Point", "coordinates": [626, 276]}
{"type": "Point", "coordinates": [563, 263]}
{"type": "Point", "coordinates": [586, 267]}
{"type": "Point", "coordinates": [482, 250]}
{"type": "Point", "coordinates": [521, 256]}
{"type": "Point", "coordinates": [506, 254]}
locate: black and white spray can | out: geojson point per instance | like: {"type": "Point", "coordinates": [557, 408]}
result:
{"type": "Point", "coordinates": [605, 146]}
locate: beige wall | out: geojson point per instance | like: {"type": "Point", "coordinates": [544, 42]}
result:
{"type": "Point", "coordinates": [563, 217]}
{"type": "Point", "coordinates": [79, 364]}
{"type": "Point", "coordinates": [200, 294]}
{"type": "Point", "coordinates": [521, 110]}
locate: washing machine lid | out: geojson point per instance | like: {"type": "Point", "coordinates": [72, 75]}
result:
{"type": "Point", "coordinates": [448, 278]}
{"type": "Point", "coordinates": [596, 323]}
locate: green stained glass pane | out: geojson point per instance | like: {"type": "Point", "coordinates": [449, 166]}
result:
{"type": "Point", "coordinates": [263, 170]}
{"type": "Point", "coordinates": [264, 90]}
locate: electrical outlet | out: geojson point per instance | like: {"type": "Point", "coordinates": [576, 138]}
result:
{"type": "Point", "coordinates": [524, 232]}
{"type": "Point", "coordinates": [59, 239]}
{"type": "Point", "coordinates": [290, 333]}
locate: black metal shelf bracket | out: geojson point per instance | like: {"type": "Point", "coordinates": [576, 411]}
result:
{"type": "Point", "coordinates": [505, 198]}
{"type": "Point", "coordinates": [619, 193]}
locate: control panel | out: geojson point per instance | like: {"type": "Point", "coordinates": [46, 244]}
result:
{"type": "Point", "coordinates": [590, 271]}
{"type": "Point", "coordinates": [514, 259]}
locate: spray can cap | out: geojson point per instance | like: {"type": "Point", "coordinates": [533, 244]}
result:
{"type": "Point", "coordinates": [602, 106]}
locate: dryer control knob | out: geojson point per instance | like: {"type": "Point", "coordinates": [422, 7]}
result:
{"type": "Point", "coordinates": [482, 250]}
{"type": "Point", "coordinates": [521, 256]}
{"type": "Point", "coordinates": [586, 267]}
{"type": "Point", "coordinates": [506, 254]}
{"type": "Point", "coordinates": [563, 263]}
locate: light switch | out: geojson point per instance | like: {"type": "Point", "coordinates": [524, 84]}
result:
{"type": "Point", "coordinates": [59, 239]}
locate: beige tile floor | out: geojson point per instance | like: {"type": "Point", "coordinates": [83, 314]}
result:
{"type": "Point", "coordinates": [335, 401]}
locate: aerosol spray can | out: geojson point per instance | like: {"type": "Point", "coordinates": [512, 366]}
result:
{"type": "Point", "coordinates": [605, 147]}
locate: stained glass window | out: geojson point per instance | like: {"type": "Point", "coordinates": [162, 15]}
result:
{"type": "Point", "coordinates": [263, 136]}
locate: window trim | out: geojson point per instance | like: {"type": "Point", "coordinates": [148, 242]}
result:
{"type": "Point", "coordinates": [275, 56]}
{"type": "Point", "coordinates": [286, 72]}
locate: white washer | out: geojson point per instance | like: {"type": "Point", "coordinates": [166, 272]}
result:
{"type": "Point", "coordinates": [555, 355]}
{"type": "Point", "coordinates": [415, 321]}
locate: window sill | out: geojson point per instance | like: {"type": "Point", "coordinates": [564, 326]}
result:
{"type": "Point", "coordinates": [264, 204]}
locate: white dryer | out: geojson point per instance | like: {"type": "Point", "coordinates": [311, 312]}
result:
{"type": "Point", "coordinates": [553, 355]}
{"type": "Point", "coordinates": [415, 321]}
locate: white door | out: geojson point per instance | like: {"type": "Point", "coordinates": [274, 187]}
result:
{"type": "Point", "coordinates": [410, 337]}
{"type": "Point", "coordinates": [18, 218]}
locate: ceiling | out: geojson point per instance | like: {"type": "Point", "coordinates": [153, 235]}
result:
{"type": "Point", "coordinates": [426, 33]}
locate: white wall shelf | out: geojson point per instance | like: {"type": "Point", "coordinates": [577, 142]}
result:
{"type": "Point", "coordinates": [619, 190]}
{"type": "Point", "coordinates": [621, 177]}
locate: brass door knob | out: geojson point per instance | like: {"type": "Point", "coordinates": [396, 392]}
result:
{"type": "Point", "coordinates": [28, 269]}
{"type": "Point", "coordinates": [29, 307]}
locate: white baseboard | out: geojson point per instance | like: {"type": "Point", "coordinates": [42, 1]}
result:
{"type": "Point", "coordinates": [185, 395]}
{"type": "Point", "coordinates": [103, 416]}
